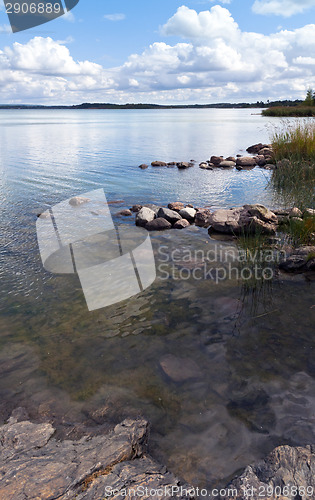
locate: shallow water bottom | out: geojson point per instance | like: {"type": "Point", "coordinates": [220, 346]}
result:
{"type": "Point", "coordinates": [224, 371]}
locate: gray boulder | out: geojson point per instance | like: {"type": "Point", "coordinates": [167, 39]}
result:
{"type": "Point", "coordinates": [188, 213]}
{"type": "Point", "coordinates": [246, 161]}
{"type": "Point", "coordinates": [203, 217]}
{"type": "Point", "coordinates": [159, 164]}
{"type": "Point", "coordinates": [181, 224]}
{"type": "Point", "coordinates": [247, 219]}
{"type": "Point", "coordinates": [184, 164]}
{"type": "Point", "coordinates": [227, 164]}
{"type": "Point", "coordinates": [144, 216]}
{"type": "Point", "coordinates": [216, 160]}
{"type": "Point", "coordinates": [295, 212]}
{"type": "Point", "coordinates": [76, 201]}
{"type": "Point", "coordinates": [302, 260]}
{"type": "Point", "coordinates": [170, 215]}
{"type": "Point", "coordinates": [159, 224]}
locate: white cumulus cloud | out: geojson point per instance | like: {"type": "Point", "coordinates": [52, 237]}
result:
{"type": "Point", "coordinates": [285, 8]}
{"type": "Point", "coordinates": [214, 61]}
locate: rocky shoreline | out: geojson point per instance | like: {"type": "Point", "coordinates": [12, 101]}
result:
{"type": "Point", "coordinates": [262, 156]}
{"type": "Point", "coordinates": [34, 465]}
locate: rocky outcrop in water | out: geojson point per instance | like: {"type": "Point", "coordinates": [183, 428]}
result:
{"type": "Point", "coordinates": [286, 474]}
{"type": "Point", "coordinates": [33, 465]}
{"type": "Point", "coordinates": [246, 219]}
{"type": "Point", "coordinates": [301, 260]}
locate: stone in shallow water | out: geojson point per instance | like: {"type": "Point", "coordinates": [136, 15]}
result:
{"type": "Point", "coordinates": [144, 216]}
{"type": "Point", "coordinates": [78, 200]}
{"type": "Point", "coordinates": [181, 224]}
{"type": "Point", "coordinates": [176, 205]}
{"type": "Point", "coordinates": [179, 369]}
{"type": "Point", "coordinates": [168, 214]}
{"type": "Point", "coordinates": [158, 224]}
{"type": "Point", "coordinates": [188, 213]}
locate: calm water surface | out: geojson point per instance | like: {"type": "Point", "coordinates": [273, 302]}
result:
{"type": "Point", "coordinates": [253, 346]}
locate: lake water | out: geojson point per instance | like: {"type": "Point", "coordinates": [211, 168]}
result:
{"type": "Point", "coordinates": [253, 346]}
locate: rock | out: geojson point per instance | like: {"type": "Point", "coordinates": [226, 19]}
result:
{"type": "Point", "coordinates": [203, 165]}
{"type": "Point", "coordinates": [239, 168]}
{"type": "Point", "coordinates": [158, 224]}
{"type": "Point", "coordinates": [179, 369]}
{"type": "Point", "coordinates": [136, 208]}
{"type": "Point", "coordinates": [34, 465]}
{"type": "Point", "coordinates": [297, 219]}
{"type": "Point", "coordinates": [210, 166]}
{"type": "Point", "coordinates": [231, 158]}
{"type": "Point", "coordinates": [203, 217]}
{"type": "Point", "coordinates": [281, 211]}
{"type": "Point", "coordinates": [246, 161]}
{"type": "Point", "coordinates": [227, 164]}
{"type": "Point", "coordinates": [153, 207]}
{"type": "Point", "coordinates": [125, 213]}
{"type": "Point", "coordinates": [309, 212]}
{"type": "Point", "coordinates": [183, 165]}
{"type": "Point", "coordinates": [189, 205]}
{"type": "Point", "coordinates": [168, 214]}
{"type": "Point", "coordinates": [269, 166]}
{"type": "Point", "coordinates": [144, 216]}
{"type": "Point", "coordinates": [261, 163]}
{"type": "Point", "coordinates": [143, 166]}
{"type": "Point", "coordinates": [248, 219]}
{"type": "Point", "coordinates": [159, 164]}
{"type": "Point", "coordinates": [266, 151]}
{"type": "Point", "coordinates": [216, 160]}
{"type": "Point", "coordinates": [176, 205]}
{"type": "Point", "coordinates": [288, 470]}
{"type": "Point", "coordinates": [181, 224]}
{"type": "Point", "coordinates": [295, 212]}
{"type": "Point", "coordinates": [283, 219]}
{"type": "Point", "coordinates": [188, 213]}
{"type": "Point", "coordinates": [302, 260]}
{"type": "Point", "coordinates": [171, 164]}
{"type": "Point", "coordinates": [252, 150]}
{"type": "Point", "coordinates": [78, 200]}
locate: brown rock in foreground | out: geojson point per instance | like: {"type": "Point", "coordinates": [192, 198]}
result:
{"type": "Point", "coordinates": [33, 465]}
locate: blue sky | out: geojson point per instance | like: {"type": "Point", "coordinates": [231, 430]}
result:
{"type": "Point", "coordinates": [162, 51]}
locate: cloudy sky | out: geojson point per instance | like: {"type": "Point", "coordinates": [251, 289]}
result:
{"type": "Point", "coordinates": [162, 51]}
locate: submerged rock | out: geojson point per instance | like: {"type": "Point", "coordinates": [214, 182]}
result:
{"type": "Point", "coordinates": [125, 213]}
{"type": "Point", "coordinates": [302, 260]}
{"type": "Point", "coordinates": [179, 369]}
{"type": "Point", "coordinates": [76, 201]}
{"type": "Point", "coordinates": [143, 166]}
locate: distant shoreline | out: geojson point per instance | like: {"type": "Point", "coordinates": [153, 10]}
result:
{"type": "Point", "coordinates": [257, 105]}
